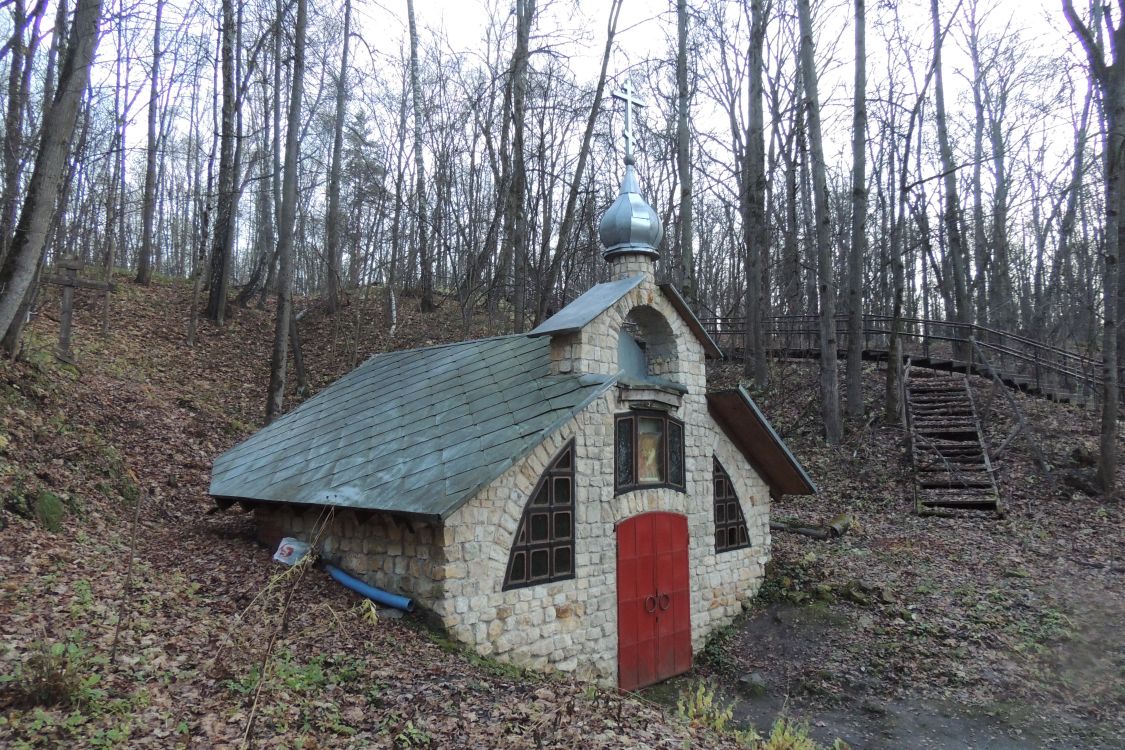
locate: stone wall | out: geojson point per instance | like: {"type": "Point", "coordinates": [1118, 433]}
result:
{"type": "Point", "coordinates": [572, 625]}
{"type": "Point", "coordinates": [627, 265]}
{"type": "Point", "coordinates": [403, 557]}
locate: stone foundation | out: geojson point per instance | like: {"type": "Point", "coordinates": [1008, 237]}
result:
{"type": "Point", "coordinates": [402, 557]}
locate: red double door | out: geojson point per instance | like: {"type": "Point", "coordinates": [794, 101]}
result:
{"type": "Point", "coordinates": [653, 602]}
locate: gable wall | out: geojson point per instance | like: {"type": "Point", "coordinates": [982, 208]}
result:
{"type": "Point", "coordinates": [572, 625]}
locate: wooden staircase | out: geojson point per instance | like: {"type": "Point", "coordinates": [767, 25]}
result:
{"type": "Point", "coordinates": [951, 465]}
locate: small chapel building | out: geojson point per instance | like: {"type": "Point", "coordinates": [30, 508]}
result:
{"type": "Point", "coordinates": [569, 500]}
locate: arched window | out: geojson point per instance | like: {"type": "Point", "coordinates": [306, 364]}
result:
{"type": "Point", "coordinates": [543, 550]}
{"type": "Point", "coordinates": [730, 524]}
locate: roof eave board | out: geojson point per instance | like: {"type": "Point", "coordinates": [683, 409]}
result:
{"type": "Point", "coordinates": [742, 421]}
{"type": "Point", "coordinates": [710, 348]}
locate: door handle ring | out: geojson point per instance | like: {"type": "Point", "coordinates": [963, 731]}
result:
{"type": "Point", "coordinates": [665, 602]}
{"type": "Point", "coordinates": [650, 604]}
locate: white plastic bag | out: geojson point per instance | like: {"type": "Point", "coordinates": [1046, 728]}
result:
{"type": "Point", "coordinates": [290, 551]}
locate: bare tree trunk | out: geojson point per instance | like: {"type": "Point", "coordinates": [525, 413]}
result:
{"type": "Point", "coordinates": [980, 247]}
{"type": "Point", "coordinates": [275, 154]}
{"type": "Point", "coordinates": [515, 209]}
{"type": "Point", "coordinates": [148, 206]}
{"type": "Point", "coordinates": [753, 204]}
{"type": "Point", "coordinates": [28, 242]}
{"type": "Point", "coordinates": [423, 218]}
{"type": "Point", "coordinates": [332, 219]}
{"type": "Point", "coordinates": [13, 126]}
{"type": "Point", "coordinates": [951, 213]}
{"type": "Point", "coordinates": [829, 386]}
{"type": "Point", "coordinates": [858, 250]}
{"type": "Point", "coordinates": [224, 216]}
{"type": "Point", "coordinates": [276, 395]}
{"type": "Point", "coordinates": [1110, 80]}
{"type": "Point", "coordinates": [1001, 278]}
{"type": "Point", "coordinates": [683, 157]}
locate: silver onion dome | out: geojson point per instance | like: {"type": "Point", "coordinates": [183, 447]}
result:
{"type": "Point", "coordinates": [630, 226]}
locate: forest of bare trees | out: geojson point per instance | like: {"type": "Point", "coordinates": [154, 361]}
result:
{"type": "Point", "coordinates": [960, 161]}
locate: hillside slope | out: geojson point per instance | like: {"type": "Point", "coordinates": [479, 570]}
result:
{"type": "Point", "coordinates": [140, 420]}
{"type": "Point", "coordinates": [1014, 620]}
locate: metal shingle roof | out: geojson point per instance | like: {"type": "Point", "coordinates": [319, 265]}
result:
{"type": "Point", "coordinates": [417, 432]}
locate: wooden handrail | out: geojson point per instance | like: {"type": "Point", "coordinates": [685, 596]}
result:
{"type": "Point", "coordinates": [1027, 356]}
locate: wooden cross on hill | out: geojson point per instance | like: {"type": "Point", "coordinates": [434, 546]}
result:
{"type": "Point", "coordinates": [69, 281]}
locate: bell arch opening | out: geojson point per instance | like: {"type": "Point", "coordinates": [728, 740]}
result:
{"type": "Point", "coordinates": [646, 345]}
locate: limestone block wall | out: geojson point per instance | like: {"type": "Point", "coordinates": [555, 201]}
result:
{"type": "Point", "coordinates": [674, 352]}
{"type": "Point", "coordinates": [624, 266]}
{"type": "Point", "coordinates": [572, 625]}
{"type": "Point", "coordinates": [403, 557]}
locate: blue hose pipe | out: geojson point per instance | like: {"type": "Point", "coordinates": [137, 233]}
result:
{"type": "Point", "coordinates": [376, 595]}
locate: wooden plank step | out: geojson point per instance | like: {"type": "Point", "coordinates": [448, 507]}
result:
{"type": "Point", "coordinates": [937, 446]}
{"type": "Point", "coordinates": [935, 398]}
{"type": "Point", "coordinates": [943, 480]}
{"type": "Point", "coordinates": [962, 461]}
{"type": "Point", "coordinates": [928, 410]}
{"type": "Point", "coordinates": [934, 404]}
{"type": "Point", "coordinates": [949, 483]}
{"type": "Point", "coordinates": [976, 470]}
{"type": "Point", "coordinates": [951, 407]}
{"type": "Point", "coordinates": [982, 504]}
{"type": "Point", "coordinates": [952, 433]}
{"type": "Point", "coordinates": [946, 464]}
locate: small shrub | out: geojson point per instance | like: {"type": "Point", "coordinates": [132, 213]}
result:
{"type": "Point", "coordinates": [700, 707]}
{"type": "Point", "coordinates": [49, 510]}
{"type": "Point", "coordinates": [55, 675]}
{"type": "Point", "coordinates": [785, 735]}
{"type": "Point", "coordinates": [412, 736]}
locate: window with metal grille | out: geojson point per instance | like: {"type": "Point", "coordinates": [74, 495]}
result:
{"type": "Point", "coordinates": [544, 547]}
{"type": "Point", "coordinates": [648, 451]}
{"type": "Point", "coordinates": [730, 524]}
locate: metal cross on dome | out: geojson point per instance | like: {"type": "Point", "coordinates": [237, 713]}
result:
{"type": "Point", "coordinates": [629, 97]}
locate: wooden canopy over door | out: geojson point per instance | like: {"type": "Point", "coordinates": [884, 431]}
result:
{"type": "Point", "coordinates": [653, 599]}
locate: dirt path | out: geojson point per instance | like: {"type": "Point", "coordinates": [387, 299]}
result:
{"type": "Point", "coordinates": [786, 638]}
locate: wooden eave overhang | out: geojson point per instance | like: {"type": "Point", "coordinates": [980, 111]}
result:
{"type": "Point", "coordinates": [746, 426]}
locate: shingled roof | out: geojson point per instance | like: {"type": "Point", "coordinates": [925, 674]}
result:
{"type": "Point", "coordinates": [415, 432]}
